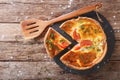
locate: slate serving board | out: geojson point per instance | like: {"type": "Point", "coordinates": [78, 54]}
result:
{"type": "Point", "coordinates": [110, 42]}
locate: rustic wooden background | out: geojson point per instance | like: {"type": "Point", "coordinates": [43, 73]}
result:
{"type": "Point", "coordinates": [20, 59]}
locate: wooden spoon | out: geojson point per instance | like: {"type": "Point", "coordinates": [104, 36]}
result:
{"type": "Point", "coordinates": [33, 27]}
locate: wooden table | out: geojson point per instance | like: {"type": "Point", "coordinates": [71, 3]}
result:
{"type": "Point", "coordinates": [20, 59]}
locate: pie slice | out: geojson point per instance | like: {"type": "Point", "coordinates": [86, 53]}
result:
{"type": "Point", "coordinates": [91, 47]}
{"type": "Point", "coordinates": [54, 42]}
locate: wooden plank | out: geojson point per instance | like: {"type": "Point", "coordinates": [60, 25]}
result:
{"type": "Point", "coordinates": [10, 33]}
{"type": "Point", "coordinates": [53, 1]}
{"type": "Point", "coordinates": [13, 32]}
{"type": "Point", "coordinates": [36, 1]}
{"type": "Point", "coordinates": [22, 51]}
{"type": "Point", "coordinates": [51, 71]}
{"type": "Point", "coordinates": [34, 51]}
{"type": "Point", "coordinates": [13, 12]}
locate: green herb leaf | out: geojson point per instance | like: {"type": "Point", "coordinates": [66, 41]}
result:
{"type": "Point", "coordinates": [98, 50]}
{"type": "Point", "coordinates": [48, 41]}
{"type": "Point", "coordinates": [82, 27]}
{"type": "Point", "coordinates": [90, 47]}
{"type": "Point", "coordinates": [69, 25]}
{"type": "Point", "coordinates": [62, 40]}
{"type": "Point", "coordinates": [95, 31]}
{"type": "Point", "coordinates": [80, 21]}
{"type": "Point", "coordinates": [52, 36]}
{"type": "Point", "coordinates": [50, 44]}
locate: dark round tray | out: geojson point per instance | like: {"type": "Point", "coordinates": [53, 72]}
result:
{"type": "Point", "coordinates": [110, 42]}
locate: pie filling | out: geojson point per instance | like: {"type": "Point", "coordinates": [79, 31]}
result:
{"type": "Point", "coordinates": [91, 43]}
{"type": "Point", "coordinates": [55, 42]}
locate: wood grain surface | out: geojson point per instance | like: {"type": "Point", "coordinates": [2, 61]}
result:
{"type": "Point", "coordinates": [28, 60]}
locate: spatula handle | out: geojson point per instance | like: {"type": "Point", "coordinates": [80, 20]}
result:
{"type": "Point", "coordinates": [76, 12]}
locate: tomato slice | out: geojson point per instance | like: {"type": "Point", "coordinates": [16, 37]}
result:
{"type": "Point", "coordinates": [77, 47]}
{"type": "Point", "coordinates": [63, 44]}
{"type": "Point", "coordinates": [76, 35]}
{"type": "Point", "coordinates": [86, 43]}
{"type": "Point", "coordinates": [83, 43]}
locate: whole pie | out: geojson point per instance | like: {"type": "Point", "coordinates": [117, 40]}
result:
{"type": "Point", "coordinates": [91, 47]}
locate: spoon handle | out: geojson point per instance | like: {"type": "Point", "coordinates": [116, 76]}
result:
{"type": "Point", "coordinates": [76, 12]}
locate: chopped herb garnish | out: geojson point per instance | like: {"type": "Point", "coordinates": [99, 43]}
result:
{"type": "Point", "coordinates": [90, 47]}
{"type": "Point", "coordinates": [93, 47]}
{"type": "Point", "coordinates": [51, 45]}
{"type": "Point", "coordinates": [82, 27]}
{"type": "Point", "coordinates": [80, 21]}
{"type": "Point", "coordinates": [48, 41]}
{"type": "Point", "coordinates": [62, 40]}
{"type": "Point", "coordinates": [98, 50]}
{"type": "Point", "coordinates": [95, 31]}
{"type": "Point", "coordinates": [69, 25]}
{"type": "Point", "coordinates": [52, 36]}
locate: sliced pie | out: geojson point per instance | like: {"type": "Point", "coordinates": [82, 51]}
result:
{"type": "Point", "coordinates": [91, 47]}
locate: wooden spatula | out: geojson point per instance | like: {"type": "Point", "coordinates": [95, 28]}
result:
{"type": "Point", "coordinates": [33, 27]}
